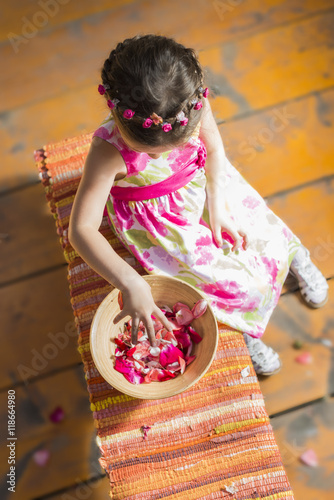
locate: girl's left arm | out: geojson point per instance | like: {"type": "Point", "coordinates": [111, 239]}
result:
{"type": "Point", "coordinates": [217, 180]}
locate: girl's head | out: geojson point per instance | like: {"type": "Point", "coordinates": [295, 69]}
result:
{"type": "Point", "coordinates": [160, 81]}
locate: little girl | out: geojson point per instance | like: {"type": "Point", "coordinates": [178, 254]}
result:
{"type": "Point", "coordinates": [157, 165]}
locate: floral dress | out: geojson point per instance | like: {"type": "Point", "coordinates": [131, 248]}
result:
{"type": "Point", "coordinates": [170, 234]}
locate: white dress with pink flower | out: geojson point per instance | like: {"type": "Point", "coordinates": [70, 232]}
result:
{"type": "Point", "coordinates": [170, 234]}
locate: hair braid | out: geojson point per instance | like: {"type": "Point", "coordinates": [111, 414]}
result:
{"type": "Point", "coordinates": [153, 74]}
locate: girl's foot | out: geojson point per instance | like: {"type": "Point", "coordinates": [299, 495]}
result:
{"type": "Point", "coordinates": [265, 360]}
{"type": "Point", "coordinates": [313, 285]}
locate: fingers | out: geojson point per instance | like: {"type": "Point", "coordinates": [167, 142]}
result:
{"type": "Point", "coordinates": [120, 316]}
{"type": "Point", "coordinates": [246, 239]}
{"type": "Point", "coordinates": [238, 235]}
{"type": "Point", "coordinates": [217, 236]}
{"type": "Point", "coordinates": [234, 233]}
{"type": "Point", "coordinates": [160, 315]}
{"type": "Point", "coordinates": [151, 333]}
{"type": "Point", "coordinates": [134, 330]}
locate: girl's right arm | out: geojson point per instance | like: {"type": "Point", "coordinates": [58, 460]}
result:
{"type": "Point", "coordinates": [102, 165]}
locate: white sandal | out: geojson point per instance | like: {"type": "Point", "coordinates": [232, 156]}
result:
{"type": "Point", "coordinates": [313, 285]}
{"type": "Point", "coordinates": [265, 360]}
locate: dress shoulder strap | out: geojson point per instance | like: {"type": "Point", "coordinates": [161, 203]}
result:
{"type": "Point", "coordinates": [109, 132]}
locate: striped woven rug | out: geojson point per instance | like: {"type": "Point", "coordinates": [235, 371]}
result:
{"type": "Point", "coordinates": [212, 441]}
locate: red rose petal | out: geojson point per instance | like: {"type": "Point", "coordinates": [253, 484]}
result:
{"type": "Point", "coordinates": [194, 335]}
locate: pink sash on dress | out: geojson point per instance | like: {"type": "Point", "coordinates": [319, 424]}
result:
{"type": "Point", "coordinates": [173, 183]}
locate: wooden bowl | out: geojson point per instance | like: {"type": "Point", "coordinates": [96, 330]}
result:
{"type": "Point", "coordinates": [165, 291]}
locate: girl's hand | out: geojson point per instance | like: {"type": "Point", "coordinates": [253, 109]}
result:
{"type": "Point", "coordinates": [139, 304]}
{"type": "Point", "coordinates": [224, 223]}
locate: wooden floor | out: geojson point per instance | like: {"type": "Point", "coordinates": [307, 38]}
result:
{"type": "Point", "coordinates": [270, 66]}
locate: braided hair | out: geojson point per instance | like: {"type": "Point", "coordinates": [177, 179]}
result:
{"type": "Point", "coordinates": [153, 74]}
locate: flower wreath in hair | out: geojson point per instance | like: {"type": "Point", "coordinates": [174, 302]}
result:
{"type": "Point", "coordinates": [155, 119]}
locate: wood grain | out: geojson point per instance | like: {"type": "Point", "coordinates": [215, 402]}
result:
{"type": "Point", "coordinates": [39, 334]}
{"type": "Point", "coordinates": [23, 18]}
{"type": "Point", "coordinates": [296, 432]}
{"type": "Point", "coordinates": [70, 55]}
{"type": "Point", "coordinates": [30, 242]}
{"type": "Point", "coordinates": [95, 490]}
{"type": "Point", "coordinates": [285, 146]}
{"type": "Point", "coordinates": [271, 67]}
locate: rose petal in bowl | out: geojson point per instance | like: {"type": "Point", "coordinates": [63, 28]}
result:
{"type": "Point", "coordinates": [184, 316]}
{"type": "Point", "coordinates": [199, 308]}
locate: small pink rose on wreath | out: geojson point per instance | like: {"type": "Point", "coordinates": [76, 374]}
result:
{"type": "Point", "coordinates": [101, 89]}
{"type": "Point", "coordinates": [147, 123]}
{"type": "Point", "coordinates": [166, 127]}
{"type": "Point", "coordinates": [128, 114]}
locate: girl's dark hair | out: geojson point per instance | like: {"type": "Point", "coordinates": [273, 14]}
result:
{"type": "Point", "coordinates": [153, 74]}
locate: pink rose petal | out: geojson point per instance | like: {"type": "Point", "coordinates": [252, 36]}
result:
{"type": "Point", "coordinates": [189, 359]}
{"type": "Point", "coordinates": [57, 415]}
{"type": "Point", "coordinates": [309, 457]}
{"type": "Point", "coordinates": [179, 305]}
{"type": "Point", "coordinates": [194, 335]}
{"type": "Point", "coordinates": [199, 308]}
{"type": "Point", "coordinates": [182, 364]}
{"type": "Point", "coordinates": [184, 316]}
{"type": "Point", "coordinates": [41, 457]}
{"type": "Point", "coordinates": [145, 429]}
{"type": "Point", "coordinates": [126, 367]}
{"type": "Point", "coordinates": [169, 354]}
{"type": "Point", "coordinates": [305, 358]}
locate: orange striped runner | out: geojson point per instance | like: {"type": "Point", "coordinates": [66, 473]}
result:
{"type": "Point", "coordinates": [214, 441]}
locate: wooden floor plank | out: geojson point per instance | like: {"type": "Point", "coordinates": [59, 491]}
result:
{"type": "Point", "coordinates": [73, 451]}
{"type": "Point", "coordinates": [298, 431]}
{"type": "Point", "coordinates": [18, 138]}
{"type": "Point", "coordinates": [39, 334]}
{"type": "Point", "coordinates": [298, 384]}
{"type": "Point", "coordinates": [271, 67]}
{"type": "Point", "coordinates": [231, 19]}
{"type": "Point", "coordinates": [30, 242]}
{"type": "Point", "coordinates": [73, 458]}
{"type": "Point", "coordinates": [36, 400]}
{"type": "Point", "coordinates": [60, 117]}
{"type": "Point", "coordinates": [285, 146]}
{"type": "Point", "coordinates": [78, 49]}
{"type": "Point", "coordinates": [309, 213]}
{"type": "Point", "coordinates": [29, 19]}
{"type": "Point", "coordinates": [95, 490]}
